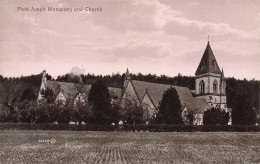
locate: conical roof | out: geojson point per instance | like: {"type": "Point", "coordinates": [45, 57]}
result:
{"type": "Point", "coordinates": [208, 63]}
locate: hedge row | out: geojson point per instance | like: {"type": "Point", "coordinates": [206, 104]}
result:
{"type": "Point", "coordinates": [151, 128]}
{"type": "Point", "coordinates": [193, 128]}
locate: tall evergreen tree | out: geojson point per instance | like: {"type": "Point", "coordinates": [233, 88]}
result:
{"type": "Point", "coordinates": [99, 100]}
{"type": "Point", "coordinates": [170, 108]}
{"type": "Point", "coordinates": [243, 113]}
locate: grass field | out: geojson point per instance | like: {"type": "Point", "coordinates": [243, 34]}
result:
{"type": "Point", "coordinates": [24, 146]}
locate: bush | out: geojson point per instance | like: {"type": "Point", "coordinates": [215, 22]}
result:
{"type": "Point", "coordinates": [215, 116]}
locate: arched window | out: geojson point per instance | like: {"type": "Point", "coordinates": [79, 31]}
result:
{"type": "Point", "coordinates": [215, 87]}
{"type": "Point", "coordinates": [202, 86]}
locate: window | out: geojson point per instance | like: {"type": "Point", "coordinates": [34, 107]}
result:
{"type": "Point", "coordinates": [202, 86]}
{"type": "Point", "coordinates": [214, 64]}
{"type": "Point", "coordinates": [215, 87]}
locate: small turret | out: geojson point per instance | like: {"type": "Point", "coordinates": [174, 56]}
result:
{"type": "Point", "coordinates": [127, 75]}
{"type": "Point", "coordinates": [222, 83]}
{"type": "Point", "coordinates": [127, 78]}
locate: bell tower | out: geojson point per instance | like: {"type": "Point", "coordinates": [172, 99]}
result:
{"type": "Point", "coordinates": [210, 83]}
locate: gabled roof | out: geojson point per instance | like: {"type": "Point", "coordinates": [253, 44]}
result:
{"type": "Point", "coordinates": [146, 93]}
{"type": "Point", "coordinates": [198, 105]}
{"type": "Point", "coordinates": [70, 89]}
{"type": "Point", "coordinates": [156, 92]}
{"type": "Point", "coordinates": [208, 63]}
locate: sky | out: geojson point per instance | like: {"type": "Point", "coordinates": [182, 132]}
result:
{"type": "Point", "coordinates": [148, 36]}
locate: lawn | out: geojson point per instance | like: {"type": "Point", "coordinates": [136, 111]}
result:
{"type": "Point", "coordinates": [18, 146]}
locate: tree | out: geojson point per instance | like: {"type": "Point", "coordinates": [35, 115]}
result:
{"type": "Point", "coordinates": [10, 92]}
{"type": "Point", "coordinates": [63, 114]}
{"type": "Point", "coordinates": [49, 108]}
{"type": "Point", "coordinates": [131, 112]}
{"type": "Point", "coordinates": [149, 113]}
{"type": "Point", "coordinates": [28, 94]}
{"type": "Point", "coordinates": [81, 109]}
{"type": "Point", "coordinates": [99, 100]}
{"type": "Point", "coordinates": [215, 116]}
{"type": "Point", "coordinates": [27, 111]}
{"type": "Point", "coordinates": [115, 113]}
{"type": "Point", "coordinates": [170, 108]}
{"type": "Point", "coordinates": [72, 78]}
{"type": "Point", "coordinates": [243, 113]}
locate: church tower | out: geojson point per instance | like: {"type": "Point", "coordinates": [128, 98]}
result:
{"type": "Point", "coordinates": [210, 82]}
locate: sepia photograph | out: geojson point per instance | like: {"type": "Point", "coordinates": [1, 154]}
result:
{"type": "Point", "coordinates": [129, 81]}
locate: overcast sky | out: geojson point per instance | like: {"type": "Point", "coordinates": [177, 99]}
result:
{"type": "Point", "coordinates": [148, 36]}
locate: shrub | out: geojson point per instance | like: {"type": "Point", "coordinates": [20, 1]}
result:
{"type": "Point", "coordinates": [215, 116]}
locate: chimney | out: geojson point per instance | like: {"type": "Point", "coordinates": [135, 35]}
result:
{"type": "Point", "coordinates": [43, 73]}
{"type": "Point", "coordinates": [44, 80]}
{"type": "Point", "coordinates": [43, 85]}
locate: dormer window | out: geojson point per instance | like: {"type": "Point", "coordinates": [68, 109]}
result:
{"type": "Point", "coordinates": [61, 98]}
{"type": "Point", "coordinates": [214, 64]}
{"type": "Point", "coordinates": [202, 65]}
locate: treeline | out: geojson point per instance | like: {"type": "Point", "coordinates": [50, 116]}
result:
{"type": "Point", "coordinates": [17, 94]}
{"type": "Point", "coordinates": [117, 80]}
{"type": "Point", "coordinates": [250, 89]}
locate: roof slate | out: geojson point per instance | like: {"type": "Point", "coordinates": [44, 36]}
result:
{"type": "Point", "coordinates": [156, 92]}
{"type": "Point", "coordinates": [208, 63]}
{"type": "Point", "coordinates": [70, 89]}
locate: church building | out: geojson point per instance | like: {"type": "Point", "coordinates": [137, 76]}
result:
{"type": "Point", "coordinates": [210, 91]}
{"type": "Point", "coordinates": [210, 81]}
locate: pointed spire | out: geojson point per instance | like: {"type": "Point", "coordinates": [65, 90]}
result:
{"type": "Point", "coordinates": [222, 73]}
{"type": "Point", "coordinates": [222, 83]}
{"type": "Point", "coordinates": [208, 63]}
{"type": "Point", "coordinates": [127, 75]}
{"type": "Point", "coordinates": [127, 78]}
{"type": "Point", "coordinates": [222, 78]}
